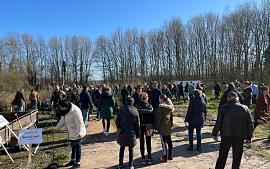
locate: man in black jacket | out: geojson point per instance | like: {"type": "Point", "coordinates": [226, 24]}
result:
{"type": "Point", "coordinates": [234, 122]}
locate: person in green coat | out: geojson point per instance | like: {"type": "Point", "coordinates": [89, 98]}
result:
{"type": "Point", "coordinates": [164, 124]}
{"type": "Point", "coordinates": [106, 105]}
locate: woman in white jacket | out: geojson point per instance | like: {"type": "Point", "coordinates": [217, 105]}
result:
{"type": "Point", "coordinates": [71, 117]}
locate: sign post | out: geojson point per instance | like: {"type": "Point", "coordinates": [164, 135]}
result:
{"type": "Point", "coordinates": [2, 145]}
{"type": "Point", "coordinates": [30, 136]}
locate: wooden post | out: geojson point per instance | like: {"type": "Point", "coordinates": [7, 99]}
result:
{"type": "Point", "coordinates": [16, 136]}
{"type": "Point", "coordinates": [30, 156]}
{"type": "Point", "coordinates": [6, 150]}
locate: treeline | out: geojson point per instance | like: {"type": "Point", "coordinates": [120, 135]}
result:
{"type": "Point", "coordinates": [40, 62]}
{"type": "Point", "coordinates": [208, 47]}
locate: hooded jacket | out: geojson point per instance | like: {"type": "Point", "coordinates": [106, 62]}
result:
{"type": "Point", "coordinates": [196, 112]}
{"type": "Point", "coordinates": [73, 121]}
{"type": "Point", "coordinates": [106, 104]}
{"type": "Point", "coordinates": [164, 119]}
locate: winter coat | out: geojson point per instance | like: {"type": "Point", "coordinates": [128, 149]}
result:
{"type": "Point", "coordinates": [166, 92]}
{"type": "Point", "coordinates": [124, 93]}
{"type": "Point", "coordinates": [196, 112]}
{"type": "Point", "coordinates": [234, 120]}
{"type": "Point", "coordinates": [180, 88]}
{"type": "Point", "coordinates": [262, 112]}
{"type": "Point", "coordinates": [146, 113]}
{"type": "Point", "coordinates": [85, 99]}
{"type": "Point", "coordinates": [128, 124]}
{"type": "Point", "coordinates": [154, 98]}
{"type": "Point", "coordinates": [19, 99]}
{"type": "Point", "coordinates": [223, 99]}
{"type": "Point", "coordinates": [217, 89]}
{"type": "Point", "coordinates": [106, 105]}
{"type": "Point", "coordinates": [136, 98]}
{"type": "Point", "coordinates": [247, 96]}
{"type": "Point", "coordinates": [73, 121]}
{"type": "Point", "coordinates": [191, 88]}
{"type": "Point", "coordinates": [164, 119]}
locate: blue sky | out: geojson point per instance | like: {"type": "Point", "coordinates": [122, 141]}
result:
{"type": "Point", "coordinates": [99, 17]}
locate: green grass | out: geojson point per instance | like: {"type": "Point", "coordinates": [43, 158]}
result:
{"type": "Point", "coordinates": [44, 155]}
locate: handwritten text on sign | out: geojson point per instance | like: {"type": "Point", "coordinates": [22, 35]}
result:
{"type": "Point", "coordinates": [3, 121]}
{"type": "Point", "coordinates": [30, 136]}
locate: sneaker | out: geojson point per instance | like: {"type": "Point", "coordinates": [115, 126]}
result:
{"type": "Point", "coordinates": [76, 166]}
{"type": "Point", "coordinates": [71, 163]}
{"type": "Point", "coordinates": [163, 159]}
{"type": "Point", "coordinates": [149, 161]}
{"type": "Point", "coordinates": [144, 161]}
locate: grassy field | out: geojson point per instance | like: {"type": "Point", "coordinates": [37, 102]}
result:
{"type": "Point", "coordinates": [52, 144]}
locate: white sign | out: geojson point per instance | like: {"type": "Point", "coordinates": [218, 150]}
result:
{"type": "Point", "coordinates": [3, 121]}
{"type": "Point", "coordinates": [30, 136]}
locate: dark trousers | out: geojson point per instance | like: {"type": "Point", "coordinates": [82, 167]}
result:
{"type": "Point", "coordinates": [121, 156]}
{"type": "Point", "coordinates": [76, 150]}
{"type": "Point", "coordinates": [198, 133]}
{"type": "Point", "coordinates": [237, 148]}
{"type": "Point", "coordinates": [142, 143]}
{"type": "Point", "coordinates": [108, 124]}
{"type": "Point", "coordinates": [167, 145]}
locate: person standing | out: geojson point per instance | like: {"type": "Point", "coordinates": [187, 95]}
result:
{"type": "Point", "coordinates": [128, 124]}
{"type": "Point", "coordinates": [146, 113]}
{"type": "Point", "coordinates": [164, 124]}
{"type": "Point", "coordinates": [71, 117]}
{"type": "Point", "coordinates": [19, 101]}
{"type": "Point", "coordinates": [95, 98]}
{"type": "Point", "coordinates": [165, 90]}
{"type": "Point", "coordinates": [195, 118]}
{"type": "Point", "coordinates": [234, 122]}
{"type": "Point", "coordinates": [86, 104]}
{"type": "Point", "coordinates": [255, 92]}
{"type": "Point", "coordinates": [124, 94]}
{"type": "Point", "coordinates": [154, 95]}
{"type": "Point", "coordinates": [262, 111]}
{"type": "Point", "coordinates": [180, 88]}
{"type": "Point", "coordinates": [217, 90]}
{"type": "Point", "coordinates": [106, 105]}
{"type": "Point", "coordinates": [191, 88]}
{"type": "Point", "coordinates": [247, 94]}
{"type": "Point", "coordinates": [224, 97]}
{"type": "Point", "coordinates": [34, 97]}
{"type": "Point", "coordinates": [136, 96]}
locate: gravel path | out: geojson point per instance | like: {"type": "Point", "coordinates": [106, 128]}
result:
{"type": "Point", "coordinates": [100, 151]}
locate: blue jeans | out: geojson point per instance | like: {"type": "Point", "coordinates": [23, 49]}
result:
{"type": "Point", "coordinates": [85, 113]}
{"type": "Point", "coordinates": [76, 151]}
{"type": "Point", "coordinates": [199, 135]}
{"type": "Point", "coordinates": [19, 109]}
{"type": "Point", "coordinates": [34, 104]}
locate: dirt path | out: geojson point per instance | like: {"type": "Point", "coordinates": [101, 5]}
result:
{"type": "Point", "coordinates": [100, 151]}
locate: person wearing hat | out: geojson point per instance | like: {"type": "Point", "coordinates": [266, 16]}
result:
{"type": "Point", "coordinates": [234, 122]}
{"type": "Point", "coordinates": [71, 117]}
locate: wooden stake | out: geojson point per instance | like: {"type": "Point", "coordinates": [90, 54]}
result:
{"type": "Point", "coordinates": [30, 156]}
{"type": "Point", "coordinates": [7, 152]}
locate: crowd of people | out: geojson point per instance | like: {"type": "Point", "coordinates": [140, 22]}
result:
{"type": "Point", "coordinates": [148, 109]}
